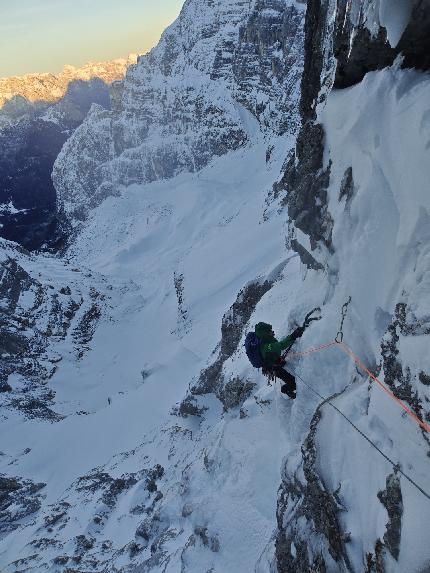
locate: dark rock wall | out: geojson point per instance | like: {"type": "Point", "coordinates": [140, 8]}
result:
{"type": "Point", "coordinates": [307, 514]}
{"type": "Point", "coordinates": [20, 500]}
{"type": "Point", "coordinates": [303, 186]}
{"type": "Point", "coordinates": [269, 55]}
{"type": "Point", "coordinates": [368, 52]}
{"type": "Point", "coordinates": [339, 51]}
{"type": "Point", "coordinates": [414, 45]}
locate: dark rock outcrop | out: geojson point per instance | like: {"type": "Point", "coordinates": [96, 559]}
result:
{"type": "Point", "coordinates": [358, 51]}
{"type": "Point", "coordinates": [347, 186]}
{"type": "Point", "coordinates": [402, 380]}
{"type": "Point", "coordinates": [308, 512]}
{"type": "Point", "coordinates": [19, 500]}
{"type": "Point", "coordinates": [235, 391]}
{"type": "Point", "coordinates": [414, 44]}
{"type": "Point", "coordinates": [391, 498]}
{"type": "Point", "coordinates": [306, 181]}
{"type": "Point", "coordinates": [269, 51]}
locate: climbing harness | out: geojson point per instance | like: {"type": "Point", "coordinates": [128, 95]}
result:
{"type": "Point", "coordinates": [339, 335]}
{"type": "Point", "coordinates": [396, 467]}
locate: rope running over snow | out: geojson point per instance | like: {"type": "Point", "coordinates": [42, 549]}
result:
{"type": "Point", "coordinates": [360, 364]}
{"type": "Point", "coordinates": [396, 467]}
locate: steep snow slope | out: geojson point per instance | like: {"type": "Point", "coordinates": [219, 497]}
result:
{"type": "Point", "coordinates": [181, 250]}
{"type": "Point", "coordinates": [199, 492]}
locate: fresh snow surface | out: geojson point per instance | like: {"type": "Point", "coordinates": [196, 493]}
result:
{"type": "Point", "coordinates": [10, 209]}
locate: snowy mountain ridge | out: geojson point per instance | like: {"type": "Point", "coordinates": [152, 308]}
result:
{"type": "Point", "coordinates": [46, 87]}
{"type": "Point", "coordinates": [165, 450]}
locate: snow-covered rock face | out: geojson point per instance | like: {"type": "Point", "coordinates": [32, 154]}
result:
{"type": "Point", "coordinates": [188, 101]}
{"type": "Point", "coordinates": [354, 189]}
{"type": "Point", "coordinates": [370, 35]}
{"type": "Point", "coordinates": [41, 311]}
{"type": "Point", "coordinates": [42, 113]}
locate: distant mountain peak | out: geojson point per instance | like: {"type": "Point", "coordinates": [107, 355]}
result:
{"type": "Point", "coordinates": [49, 87]}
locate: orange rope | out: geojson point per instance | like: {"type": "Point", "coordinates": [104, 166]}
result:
{"type": "Point", "coordinates": [348, 351]}
{"type": "Point", "coordinates": [309, 350]}
{"type": "Point", "coordinates": [360, 364]}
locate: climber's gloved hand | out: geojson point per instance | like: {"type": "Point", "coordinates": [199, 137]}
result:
{"type": "Point", "coordinates": [298, 332]}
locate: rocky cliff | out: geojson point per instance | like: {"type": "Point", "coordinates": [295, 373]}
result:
{"type": "Point", "coordinates": [190, 99]}
{"type": "Point", "coordinates": [42, 112]}
{"type": "Point", "coordinates": [41, 311]}
{"type": "Point", "coordinates": [344, 158]}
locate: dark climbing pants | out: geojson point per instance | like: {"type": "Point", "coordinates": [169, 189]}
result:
{"type": "Point", "coordinates": [289, 386]}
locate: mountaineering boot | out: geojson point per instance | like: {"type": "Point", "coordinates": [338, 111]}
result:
{"type": "Point", "coordinates": [287, 390]}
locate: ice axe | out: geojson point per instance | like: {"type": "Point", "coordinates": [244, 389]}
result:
{"type": "Point", "coordinates": [307, 321]}
{"type": "Point", "coordinates": [309, 318]}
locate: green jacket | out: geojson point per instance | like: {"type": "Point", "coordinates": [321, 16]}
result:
{"type": "Point", "coordinates": [271, 349]}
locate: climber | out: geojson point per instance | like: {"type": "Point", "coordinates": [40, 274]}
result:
{"type": "Point", "coordinates": [265, 352]}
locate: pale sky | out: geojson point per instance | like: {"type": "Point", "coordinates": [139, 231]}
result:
{"type": "Point", "coordinates": [43, 35]}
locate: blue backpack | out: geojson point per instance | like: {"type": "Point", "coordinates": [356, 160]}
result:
{"type": "Point", "coordinates": [252, 347]}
